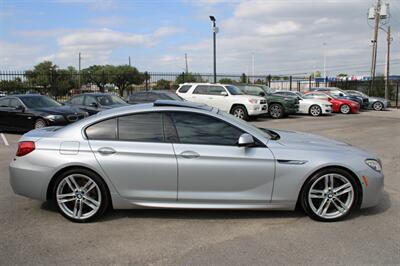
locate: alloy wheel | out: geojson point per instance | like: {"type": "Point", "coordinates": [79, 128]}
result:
{"type": "Point", "coordinates": [239, 113]}
{"type": "Point", "coordinates": [275, 111]}
{"type": "Point", "coordinates": [315, 110]}
{"type": "Point", "coordinates": [345, 109]}
{"type": "Point", "coordinates": [378, 106]}
{"type": "Point", "coordinates": [331, 196]}
{"type": "Point", "coordinates": [40, 123]}
{"type": "Point", "coordinates": [78, 196]}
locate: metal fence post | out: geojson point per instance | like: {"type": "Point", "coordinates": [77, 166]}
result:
{"type": "Point", "coordinates": [290, 82]}
{"type": "Point", "coordinates": [397, 95]}
{"type": "Point", "coordinates": [269, 80]}
{"type": "Point", "coordinates": [183, 77]}
{"type": "Point", "coordinates": [309, 82]}
{"type": "Point", "coordinates": [146, 80]}
{"type": "Point", "coordinates": [326, 81]}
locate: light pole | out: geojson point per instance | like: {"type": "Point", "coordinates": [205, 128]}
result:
{"type": "Point", "coordinates": [324, 48]}
{"type": "Point", "coordinates": [215, 30]}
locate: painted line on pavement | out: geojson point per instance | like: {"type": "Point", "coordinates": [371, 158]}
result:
{"type": "Point", "coordinates": [4, 139]}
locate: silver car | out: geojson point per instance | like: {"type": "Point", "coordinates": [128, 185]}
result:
{"type": "Point", "coordinates": [171, 154]}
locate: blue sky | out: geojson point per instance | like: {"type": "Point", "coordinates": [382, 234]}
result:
{"type": "Point", "coordinates": [283, 36]}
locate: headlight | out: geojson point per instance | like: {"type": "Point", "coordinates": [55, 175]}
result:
{"type": "Point", "coordinates": [253, 101]}
{"type": "Point", "coordinates": [55, 117]}
{"type": "Point", "coordinates": [374, 164]}
{"type": "Point", "coordinates": [85, 114]}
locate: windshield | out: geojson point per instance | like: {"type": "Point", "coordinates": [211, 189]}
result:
{"type": "Point", "coordinates": [175, 97]}
{"type": "Point", "coordinates": [252, 90]}
{"type": "Point", "coordinates": [39, 102]}
{"type": "Point", "coordinates": [106, 100]}
{"type": "Point", "coordinates": [233, 90]}
{"type": "Point", "coordinates": [266, 89]}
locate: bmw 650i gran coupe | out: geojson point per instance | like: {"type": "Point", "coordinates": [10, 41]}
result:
{"type": "Point", "coordinates": [171, 154]}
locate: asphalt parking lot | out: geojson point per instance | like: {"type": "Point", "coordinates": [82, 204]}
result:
{"type": "Point", "coordinates": [32, 232]}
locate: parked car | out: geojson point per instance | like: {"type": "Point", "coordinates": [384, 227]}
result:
{"type": "Point", "coordinates": [96, 102]}
{"type": "Point", "coordinates": [225, 97]}
{"type": "Point", "coordinates": [3, 94]}
{"type": "Point", "coordinates": [376, 103]}
{"type": "Point", "coordinates": [152, 96]}
{"type": "Point", "coordinates": [341, 94]}
{"type": "Point", "coordinates": [279, 106]}
{"type": "Point", "coordinates": [23, 112]}
{"type": "Point", "coordinates": [314, 107]}
{"type": "Point", "coordinates": [338, 105]}
{"type": "Point", "coordinates": [131, 158]}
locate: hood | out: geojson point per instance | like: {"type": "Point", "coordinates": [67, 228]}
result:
{"type": "Point", "coordinates": [60, 110]}
{"type": "Point", "coordinates": [307, 141]}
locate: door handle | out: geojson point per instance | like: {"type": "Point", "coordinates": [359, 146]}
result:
{"type": "Point", "coordinates": [189, 154]}
{"type": "Point", "coordinates": [106, 151]}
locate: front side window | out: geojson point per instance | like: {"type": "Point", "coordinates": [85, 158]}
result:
{"type": "Point", "coordinates": [234, 90]}
{"type": "Point", "coordinates": [104, 130]}
{"type": "Point", "coordinates": [147, 127]}
{"type": "Point", "coordinates": [39, 102]}
{"type": "Point", "coordinates": [195, 128]}
{"type": "Point", "coordinates": [89, 100]}
{"type": "Point", "coordinates": [77, 100]}
{"type": "Point", "coordinates": [216, 90]}
{"type": "Point", "coordinates": [107, 100]}
{"type": "Point", "coordinates": [14, 103]}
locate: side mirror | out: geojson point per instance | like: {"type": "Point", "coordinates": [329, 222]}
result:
{"type": "Point", "coordinates": [341, 94]}
{"type": "Point", "coordinates": [329, 99]}
{"type": "Point", "coordinates": [262, 94]}
{"type": "Point", "coordinates": [94, 105]}
{"type": "Point", "coordinates": [224, 93]}
{"type": "Point", "coordinates": [20, 108]}
{"type": "Point", "coordinates": [246, 140]}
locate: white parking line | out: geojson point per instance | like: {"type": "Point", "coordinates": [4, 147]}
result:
{"type": "Point", "coordinates": [4, 139]}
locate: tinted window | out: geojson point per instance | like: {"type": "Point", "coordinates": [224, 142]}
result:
{"type": "Point", "coordinates": [201, 89]}
{"type": "Point", "coordinates": [184, 88]}
{"type": "Point", "coordinates": [39, 102]}
{"type": "Point", "coordinates": [155, 96]}
{"type": "Point", "coordinates": [78, 100]}
{"type": "Point", "coordinates": [89, 100]}
{"type": "Point", "coordinates": [107, 100]}
{"type": "Point", "coordinates": [14, 103]}
{"type": "Point", "coordinates": [201, 129]}
{"type": "Point", "coordinates": [4, 102]}
{"type": "Point", "coordinates": [146, 127]}
{"type": "Point", "coordinates": [234, 90]}
{"type": "Point", "coordinates": [138, 97]}
{"type": "Point", "coordinates": [216, 90]}
{"type": "Point", "coordinates": [104, 130]}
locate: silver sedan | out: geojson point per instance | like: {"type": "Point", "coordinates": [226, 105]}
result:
{"type": "Point", "coordinates": [182, 155]}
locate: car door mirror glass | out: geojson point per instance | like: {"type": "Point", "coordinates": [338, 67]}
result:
{"type": "Point", "coordinates": [94, 105]}
{"type": "Point", "coordinates": [262, 94]}
{"type": "Point", "coordinates": [246, 140]}
{"type": "Point", "coordinates": [224, 93]}
{"type": "Point", "coordinates": [20, 108]}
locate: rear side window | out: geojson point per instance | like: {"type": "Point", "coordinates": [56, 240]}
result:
{"type": "Point", "coordinates": [201, 89]}
{"type": "Point", "coordinates": [4, 102]}
{"type": "Point", "coordinates": [184, 88]}
{"type": "Point", "coordinates": [104, 130]}
{"type": "Point", "coordinates": [146, 127]}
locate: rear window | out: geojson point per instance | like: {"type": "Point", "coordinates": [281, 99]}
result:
{"type": "Point", "coordinates": [184, 88]}
{"type": "Point", "coordinates": [104, 130]}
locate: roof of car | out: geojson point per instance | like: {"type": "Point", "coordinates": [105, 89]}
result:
{"type": "Point", "coordinates": [155, 91]}
{"type": "Point", "coordinates": [182, 104]}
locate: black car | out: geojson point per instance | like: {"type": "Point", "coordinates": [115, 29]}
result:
{"type": "Point", "coordinates": [338, 93]}
{"type": "Point", "coordinates": [95, 102]}
{"type": "Point", "coordinates": [24, 112]}
{"type": "Point", "coordinates": [152, 96]}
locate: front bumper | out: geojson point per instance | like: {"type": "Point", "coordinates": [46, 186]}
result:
{"type": "Point", "coordinates": [326, 109]}
{"type": "Point", "coordinates": [257, 109]}
{"type": "Point", "coordinates": [372, 184]}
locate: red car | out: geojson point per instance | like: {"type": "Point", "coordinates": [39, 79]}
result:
{"type": "Point", "coordinates": [343, 106]}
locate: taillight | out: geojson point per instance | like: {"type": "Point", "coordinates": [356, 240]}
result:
{"type": "Point", "coordinates": [25, 147]}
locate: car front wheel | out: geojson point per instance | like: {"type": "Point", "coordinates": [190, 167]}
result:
{"type": "Point", "coordinates": [276, 111]}
{"type": "Point", "coordinates": [240, 112]}
{"type": "Point", "coordinates": [39, 123]}
{"type": "Point", "coordinates": [378, 106]}
{"type": "Point", "coordinates": [80, 195]}
{"type": "Point", "coordinates": [330, 195]}
{"type": "Point", "coordinates": [345, 109]}
{"type": "Point", "coordinates": [315, 110]}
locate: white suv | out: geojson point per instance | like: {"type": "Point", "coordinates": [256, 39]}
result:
{"type": "Point", "coordinates": [225, 97]}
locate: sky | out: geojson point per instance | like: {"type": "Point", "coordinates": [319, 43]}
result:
{"type": "Point", "coordinates": [279, 37]}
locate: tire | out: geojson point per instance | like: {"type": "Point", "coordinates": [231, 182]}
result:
{"type": "Point", "coordinates": [240, 112]}
{"type": "Point", "coordinates": [345, 109]}
{"type": "Point", "coordinates": [315, 110]}
{"type": "Point", "coordinates": [377, 106]}
{"type": "Point", "coordinates": [323, 202]}
{"type": "Point", "coordinates": [276, 111]}
{"type": "Point", "coordinates": [39, 123]}
{"type": "Point", "coordinates": [85, 195]}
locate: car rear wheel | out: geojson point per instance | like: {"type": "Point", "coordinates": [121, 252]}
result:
{"type": "Point", "coordinates": [377, 106]}
{"type": "Point", "coordinates": [276, 111]}
{"type": "Point", "coordinates": [345, 109]}
{"type": "Point", "coordinates": [240, 112]}
{"type": "Point", "coordinates": [315, 110]}
{"type": "Point", "coordinates": [80, 195]}
{"type": "Point", "coordinates": [330, 195]}
{"type": "Point", "coordinates": [39, 123]}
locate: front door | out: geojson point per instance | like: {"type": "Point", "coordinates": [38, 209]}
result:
{"type": "Point", "coordinates": [212, 168]}
{"type": "Point", "coordinates": [140, 164]}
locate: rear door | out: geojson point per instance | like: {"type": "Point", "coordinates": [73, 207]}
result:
{"type": "Point", "coordinates": [200, 94]}
{"type": "Point", "coordinates": [213, 168]}
{"type": "Point", "coordinates": [133, 153]}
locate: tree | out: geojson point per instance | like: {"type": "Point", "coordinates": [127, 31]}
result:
{"type": "Point", "coordinates": [12, 85]}
{"type": "Point", "coordinates": [42, 75]}
{"type": "Point", "coordinates": [342, 75]}
{"type": "Point", "coordinates": [97, 75]}
{"type": "Point", "coordinates": [122, 76]}
{"type": "Point", "coordinates": [163, 84]}
{"type": "Point", "coordinates": [317, 74]}
{"type": "Point", "coordinates": [188, 77]}
{"type": "Point", "coordinates": [227, 81]}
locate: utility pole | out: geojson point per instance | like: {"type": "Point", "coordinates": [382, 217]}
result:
{"type": "Point", "coordinates": [79, 72]}
{"type": "Point", "coordinates": [129, 59]}
{"type": "Point", "coordinates": [375, 44]}
{"type": "Point", "coordinates": [252, 66]}
{"type": "Point", "coordinates": [215, 30]}
{"type": "Point", "coordinates": [389, 40]}
{"type": "Point", "coordinates": [324, 47]}
{"type": "Point", "coordinates": [186, 64]}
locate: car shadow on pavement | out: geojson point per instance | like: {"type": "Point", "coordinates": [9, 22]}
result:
{"type": "Point", "coordinates": [382, 207]}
